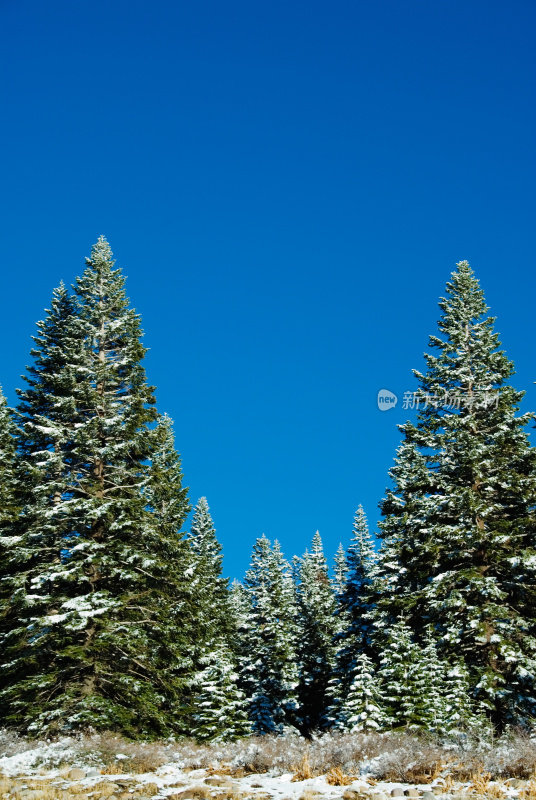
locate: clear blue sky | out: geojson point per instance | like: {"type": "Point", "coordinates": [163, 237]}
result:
{"type": "Point", "coordinates": [288, 186]}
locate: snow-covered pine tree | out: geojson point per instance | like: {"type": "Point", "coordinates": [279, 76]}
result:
{"type": "Point", "coordinates": [211, 588]}
{"type": "Point", "coordinates": [104, 634]}
{"type": "Point", "coordinates": [10, 483]}
{"type": "Point", "coordinates": [218, 707]}
{"type": "Point", "coordinates": [354, 612]}
{"type": "Point", "coordinates": [315, 602]}
{"type": "Point", "coordinates": [239, 605]}
{"type": "Point", "coordinates": [268, 670]}
{"type": "Point", "coordinates": [459, 544]}
{"type": "Point", "coordinates": [413, 683]}
{"type": "Point", "coordinates": [399, 672]}
{"type": "Point", "coordinates": [166, 496]}
{"type": "Point", "coordinates": [361, 708]}
{"type": "Point", "coordinates": [428, 675]}
{"type": "Point", "coordinates": [167, 501]}
{"type": "Point", "coordinates": [340, 572]}
{"type": "Point", "coordinates": [11, 498]}
{"type": "Point", "coordinates": [339, 585]}
{"type": "Point", "coordinates": [356, 599]}
{"type": "Point", "coordinates": [47, 416]}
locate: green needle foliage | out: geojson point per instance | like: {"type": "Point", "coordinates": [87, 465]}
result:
{"type": "Point", "coordinates": [102, 632]}
{"type": "Point", "coordinates": [458, 538]}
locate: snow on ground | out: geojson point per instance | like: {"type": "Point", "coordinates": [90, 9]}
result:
{"type": "Point", "coordinates": [171, 780]}
{"type": "Point", "coordinates": [70, 773]}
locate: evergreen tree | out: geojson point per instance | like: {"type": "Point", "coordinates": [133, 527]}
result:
{"type": "Point", "coordinates": [268, 671]}
{"type": "Point", "coordinates": [340, 585]}
{"type": "Point", "coordinates": [103, 631]}
{"type": "Point", "coordinates": [399, 678]}
{"type": "Point", "coordinates": [361, 708]}
{"type": "Point", "coordinates": [210, 587]}
{"type": "Point", "coordinates": [428, 675]}
{"type": "Point", "coordinates": [239, 608]}
{"type": "Point", "coordinates": [354, 612]}
{"type": "Point", "coordinates": [218, 705]}
{"type": "Point", "coordinates": [340, 570]}
{"type": "Point", "coordinates": [458, 532]}
{"type": "Point", "coordinates": [47, 416]}
{"type": "Point", "coordinates": [166, 496]}
{"type": "Point", "coordinates": [316, 630]}
{"type": "Point", "coordinates": [11, 554]}
{"type": "Point", "coordinates": [10, 484]}
{"type": "Point", "coordinates": [356, 599]}
{"type": "Point", "coordinates": [462, 715]}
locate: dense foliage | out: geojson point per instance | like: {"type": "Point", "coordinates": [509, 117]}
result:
{"type": "Point", "coordinates": [112, 616]}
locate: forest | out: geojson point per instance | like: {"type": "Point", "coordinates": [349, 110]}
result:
{"type": "Point", "coordinates": [115, 614]}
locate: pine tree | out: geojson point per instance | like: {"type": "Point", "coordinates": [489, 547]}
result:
{"type": "Point", "coordinates": [428, 675]}
{"type": "Point", "coordinates": [103, 631]}
{"type": "Point", "coordinates": [339, 585]}
{"type": "Point", "coordinates": [219, 709]}
{"type": "Point", "coordinates": [47, 417]}
{"type": "Point", "coordinates": [463, 716]}
{"type": "Point", "coordinates": [316, 630]}
{"type": "Point", "coordinates": [354, 611]}
{"type": "Point", "coordinates": [218, 705]}
{"type": "Point", "coordinates": [340, 572]}
{"type": "Point", "coordinates": [10, 488]}
{"type": "Point", "coordinates": [268, 670]}
{"type": "Point", "coordinates": [459, 545]}
{"type": "Point", "coordinates": [361, 708]}
{"type": "Point", "coordinates": [356, 599]}
{"type": "Point", "coordinates": [166, 496]}
{"type": "Point", "coordinates": [11, 554]}
{"type": "Point", "coordinates": [210, 587]}
{"type": "Point", "coordinates": [399, 678]}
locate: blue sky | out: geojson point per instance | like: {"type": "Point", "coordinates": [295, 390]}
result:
{"type": "Point", "coordinates": [288, 186]}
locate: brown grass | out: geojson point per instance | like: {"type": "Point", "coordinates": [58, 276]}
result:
{"type": "Point", "coordinates": [397, 756]}
{"type": "Point", "coordinates": [481, 785]}
{"type": "Point", "coordinates": [336, 777]}
{"type": "Point", "coordinates": [303, 771]}
{"type": "Point", "coordinates": [449, 783]}
{"type": "Point", "coordinates": [115, 768]}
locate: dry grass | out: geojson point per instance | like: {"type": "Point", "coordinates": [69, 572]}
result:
{"type": "Point", "coordinates": [397, 756]}
{"type": "Point", "coordinates": [448, 783]}
{"type": "Point", "coordinates": [303, 771]}
{"type": "Point", "coordinates": [336, 777]}
{"type": "Point", "coordinates": [115, 768]}
{"type": "Point", "coordinates": [480, 781]}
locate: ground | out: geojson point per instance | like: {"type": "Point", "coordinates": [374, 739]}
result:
{"type": "Point", "coordinates": [95, 767]}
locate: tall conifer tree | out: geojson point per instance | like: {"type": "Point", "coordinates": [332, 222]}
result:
{"type": "Point", "coordinates": [218, 705]}
{"type": "Point", "coordinates": [269, 671]}
{"type": "Point", "coordinates": [13, 557]}
{"type": "Point", "coordinates": [103, 631]}
{"type": "Point", "coordinates": [459, 544]}
{"type": "Point", "coordinates": [316, 630]}
{"type": "Point", "coordinates": [353, 637]}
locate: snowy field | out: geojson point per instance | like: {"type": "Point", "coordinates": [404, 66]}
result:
{"type": "Point", "coordinates": [286, 768]}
